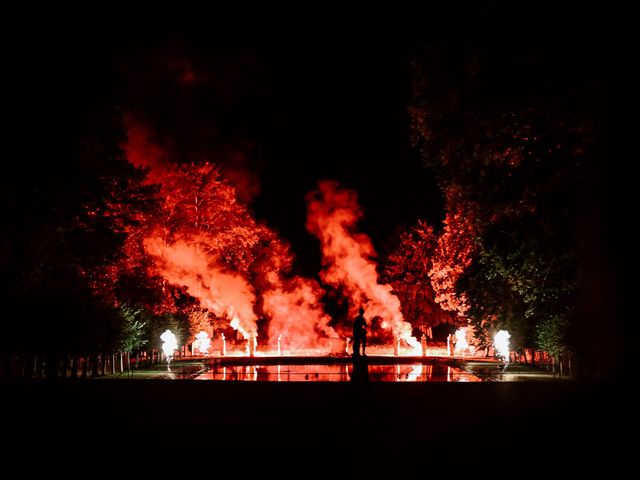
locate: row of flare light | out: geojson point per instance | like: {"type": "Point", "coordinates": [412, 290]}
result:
{"type": "Point", "coordinates": [202, 344]}
{"type": "Point", "coordinates": [460, 345]}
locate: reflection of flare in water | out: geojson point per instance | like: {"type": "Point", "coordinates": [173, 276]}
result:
{"type": "Point", "coordinates": [202, 343]}
{"type": "Point", "coordinates": [252, 343]}
{"type": "Point", "coordinates": [169, 343]}
{"type": "Point", "coordinates": [461, 340]}
{"type": "Point", "coordinates": [415, 373]}
{"type": "Point", "coordinates": [501, 344]}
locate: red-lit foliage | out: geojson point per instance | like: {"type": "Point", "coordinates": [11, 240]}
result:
{"type": "Point", "coordinates": [205, 244]}
{"type": "Point", "coordinates": [407, 269]}
{"type": "Point", "coordinates": [454, 252]}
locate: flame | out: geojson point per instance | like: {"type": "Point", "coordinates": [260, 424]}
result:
{"type": "Point", "coordinates": [501, 344]}
{"type": "Point", "coordinates": [347, 256]}
{"type": "Point", "coordinates": [202, 342]}
{"type": "Point", "coordinates": [169, 343]}
{"type": "Point", "coordinates": [461, 340]}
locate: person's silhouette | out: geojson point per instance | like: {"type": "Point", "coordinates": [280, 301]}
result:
{"type": "Point", "coordinates": [360, 373]}
{"type": "Point", "coordinates": [359, 334]}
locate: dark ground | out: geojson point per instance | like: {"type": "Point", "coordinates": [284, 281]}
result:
{"type": "Point", "coordinates": [306, 429]}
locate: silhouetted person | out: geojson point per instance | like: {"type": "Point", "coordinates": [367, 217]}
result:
{"type": "Point", "coordinates": [359, 334]}
{"type": "Point", "coordinates": [360, 372]}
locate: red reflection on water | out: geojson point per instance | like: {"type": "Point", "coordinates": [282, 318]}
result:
{"type": "Point", "coordinates": [338, 373]}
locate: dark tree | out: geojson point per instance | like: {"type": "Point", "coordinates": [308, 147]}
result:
{"type": "Point", "coordinates": [508, 121]}
{"type": "Point", "coordinates": [68, 195]}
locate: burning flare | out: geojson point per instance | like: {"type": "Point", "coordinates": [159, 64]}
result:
{"type": "Point", "coordinates": [501, 345]}
{"type": "Point", "coordinates": [347, 256]}
{"type": "Point", "coordinates": [169, 343]}
{"type": "Point", "coordinates": [202, 342]}
{"type": "Point", "coordinates": [461, 340]}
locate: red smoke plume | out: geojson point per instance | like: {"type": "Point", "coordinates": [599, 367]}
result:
{"type": "Point", "coordinates": [223, 293]}
{"type": "Point", "coordinates": [143, 152]}
{"type": "Point", "coordinates": [204, 240]}
{"type": "Point", "coordinates": [333, 213]}
{"type": "Point", "coordinates": [297, 315]}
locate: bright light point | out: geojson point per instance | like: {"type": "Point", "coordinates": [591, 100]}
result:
{"type": "Point", "coordinates": [170, 343]}
{"type": "Point", "coordinates": [501, 344]}
{"type": "Point", "coordinates": [202, 342]}
{"type": "Point", "coordinates": [461, 340]}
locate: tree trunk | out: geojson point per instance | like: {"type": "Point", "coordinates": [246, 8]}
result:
{"type": "Point", "coordinates": [6, 365]}
{"type": "Point", "coordinates": [65, 365]}
{"type": "Point", "coordinates": [113, 363]}
{"type": "Point", "coordinates": [51, 366]}
{"type": "Point", "coordinates": [94, 365]}
{"type": "Point", "coordinates": [40, 366]}
{"type": "Point", "coordinates": [74, 366]}
{"type": "Point", "coordinates": [19, 365]}
{"type": "Point", "coordinates": [29, 365]}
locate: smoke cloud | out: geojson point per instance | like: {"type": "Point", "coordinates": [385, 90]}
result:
{"type": "Point", "coordinates": [348, 256]}
{"type": "Point", "coordinates": [210, 244]}
{"type": "Point", "coordinates": [223, 293]}
{"type": "Point", "coordinates": [297, 315]}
